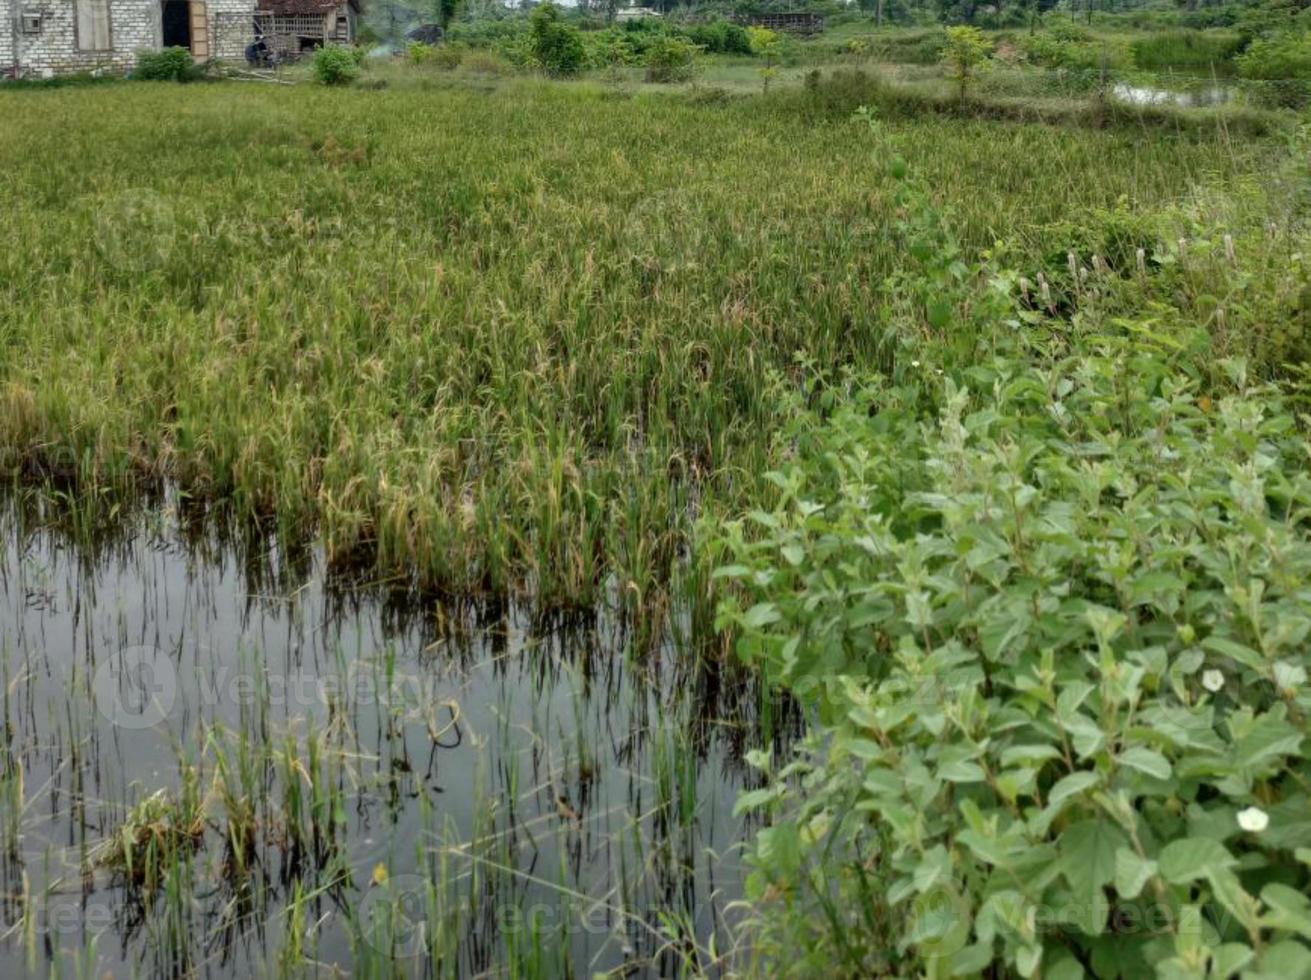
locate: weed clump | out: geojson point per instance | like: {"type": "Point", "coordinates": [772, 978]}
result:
{"type": "Point", "coordinates": [335, 65]}
{"type": "Point", "coordinates": [168, 65]}
{"type": "Point", "coordinates": [158, 833]}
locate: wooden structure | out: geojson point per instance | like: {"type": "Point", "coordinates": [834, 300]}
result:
{"type": "Point", "coordinates": [799, 22]}
{"type": "Point", "coordinates": [288, 28]}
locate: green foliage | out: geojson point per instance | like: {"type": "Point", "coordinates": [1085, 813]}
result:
{"type": "Point", "coordinates": [1283, 64]}
{"type": "Point", "coordinates": [335, 65]}
{"type": "Point", "coordinates": [419, 53]}
{"type": "Point", "coordinates": [485, 63]}
{"type": "Point", "coordinates": [965, 54]}
{"type": "Point", "coordinates": [671, 59]}
{"type": "Point", "coordinates": [720, 37]}
{"type": "Point", "coordinates": [1283, 56]}
{"type": "Point", "coordinates": [1201, 52]}
{"type": "Point", "coordinates": [1058, 636]}
{"type": "Point", "coordinates": [768, 45]}
{"type": "Point", "coordinates": [764, 43]}
{"type": "Point", "coordinates": [557, 47]}
{"type": "Point", "coordinates": [1043, 590]}
{"type": "Point", "coordinates": [447, 57]}
{"type": "Point", "coordinates": [1272, 17]}
{"type": "Point", "coordinates": [446, 11]}
{"type": "Point", "coordinates": [584, 339]}
{"type": "Point", "coordinates": [168, 65]}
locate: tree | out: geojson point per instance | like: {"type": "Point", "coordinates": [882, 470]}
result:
{"type": "Point", "coordinates": [766, 44]}
{"type": "Point", "coordinates": [445, 11]}
{"type": "Point", "coordinates": [966, 52]}
{"type": "Point", "coordinates": [557, 46]}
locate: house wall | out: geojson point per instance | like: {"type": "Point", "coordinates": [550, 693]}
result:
{"type": "Point", "coordinates": [134, 25]}
{"type": "Point", "coordinates": [230, 28]}
{"type": "Point", "coordinates": [6, 37]}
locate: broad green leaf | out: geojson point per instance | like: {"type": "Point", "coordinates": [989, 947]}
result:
{"type": "Point", "coordinates": [934, 869]}
{"type": "Point", "coordinates": [1193, 858]}
{"type": "Point", "coordinates": [1034, 755]}
{"type": "Point", "coordinates": [1131, 872]}
{"type": "Point", "coordinates": [1228, 958]}
{"type": "Point", "coordinates": [1088, 861]}
{"type": "Point", "coordinates": [1146, 761]}
{"type": "Point", "coordinates": [1289, 909]}
{"type": "Point", "coordinates": [1074, 783]}
{"type": "Point", "coordinates": [1236, 652]}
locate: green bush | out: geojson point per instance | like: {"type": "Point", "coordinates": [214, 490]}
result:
{"type": "Point", "coordinates": [671, 59]}
{"type": "Point", "coordinates": [1041, 587]}
{"type": "Point", "coordinates": [557, 47]}
{"type": "Point", "coordinates": [1196, 51]}
{"type": "Point", "coordinates": [1282, 64]}
{"type": "Point", "coordinates": [168, 65]}
{"type": "Point", "coordinates": [419, 53]}
{"type": "Point", "coordinates": [1058, 636]}
{"type": "Point", "coordinates": [720, 37]}
{"type": "Point", "coordinates": [1283, 56]}
{"type": "Point", "coordinates": [965, 55]}
{"type": "Point", "coordinates": [335, 65]}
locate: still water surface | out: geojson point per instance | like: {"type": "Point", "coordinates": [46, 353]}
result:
{"type": "Point", "coordinates": [494, 787]}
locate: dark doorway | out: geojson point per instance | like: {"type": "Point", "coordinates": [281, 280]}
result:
{"type": "Point", "coordinates": [177, 24]}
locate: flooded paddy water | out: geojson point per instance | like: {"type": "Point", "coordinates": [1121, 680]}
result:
{"type": "Point", "coordinates": [217, 763]}
{"type": "Point", "coordinates": [1195, 96]}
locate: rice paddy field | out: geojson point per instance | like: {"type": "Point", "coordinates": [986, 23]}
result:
{"type": "Point", "coordinates": [360, 448]}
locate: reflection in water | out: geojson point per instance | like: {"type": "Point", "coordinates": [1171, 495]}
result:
{"type": "Point", "coordinates": [212, 772]}
{"type": "Point", "coordinates": [1189, 98]}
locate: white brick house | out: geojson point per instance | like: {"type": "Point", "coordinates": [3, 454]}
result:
{"type": "Point", "coordinates": [40, 38]}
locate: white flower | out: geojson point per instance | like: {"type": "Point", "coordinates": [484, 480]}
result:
{"type": "Point", "coordinates": [914, 363]}
{"type": "Point", "coordinates": [1253, 819]}
{"type": "Point", "coordinates": [1213, 680]}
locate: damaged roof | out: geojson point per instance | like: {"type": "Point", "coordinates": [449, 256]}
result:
{"type": "Point", "coordinates": [303, 8]}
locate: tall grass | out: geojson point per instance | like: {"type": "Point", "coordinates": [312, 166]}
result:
{"type": "Point", "coordinates": [1197, 52]}
{"type": "Point", "coordinates": [500, 341]}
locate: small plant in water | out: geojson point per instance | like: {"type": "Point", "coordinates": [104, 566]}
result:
{"type": "Point", "coordinates": [158, 833]}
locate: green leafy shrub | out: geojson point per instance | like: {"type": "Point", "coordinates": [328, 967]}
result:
{"type": "Point", "coordinates": [1072, 50]}
{"type": "Point", "coordinates": [763, 42]}
{"type": "Point", "coordinates": [1058, 636]}
{"type": "Point", "coordinates": [168, 65]}
{"type": "Point", "coordinates": [720, 37]}
{"type": "Point", "coordinates": [557, 47]}
{"type": "Point", "coordinates": [419, 53]}
{"type": "Point", "coordinates": [335, 65]}
{"type": "Point", "coordinates": [1197, 51]}
{"type": "Point", "coordinates": [965, 54]}
{"type": "Point", "coordinates": [610, 48]}
{"type": "Point", "coordinates": [1282, 63]}
{"type": "Point", "coordinates": [671, 59]}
